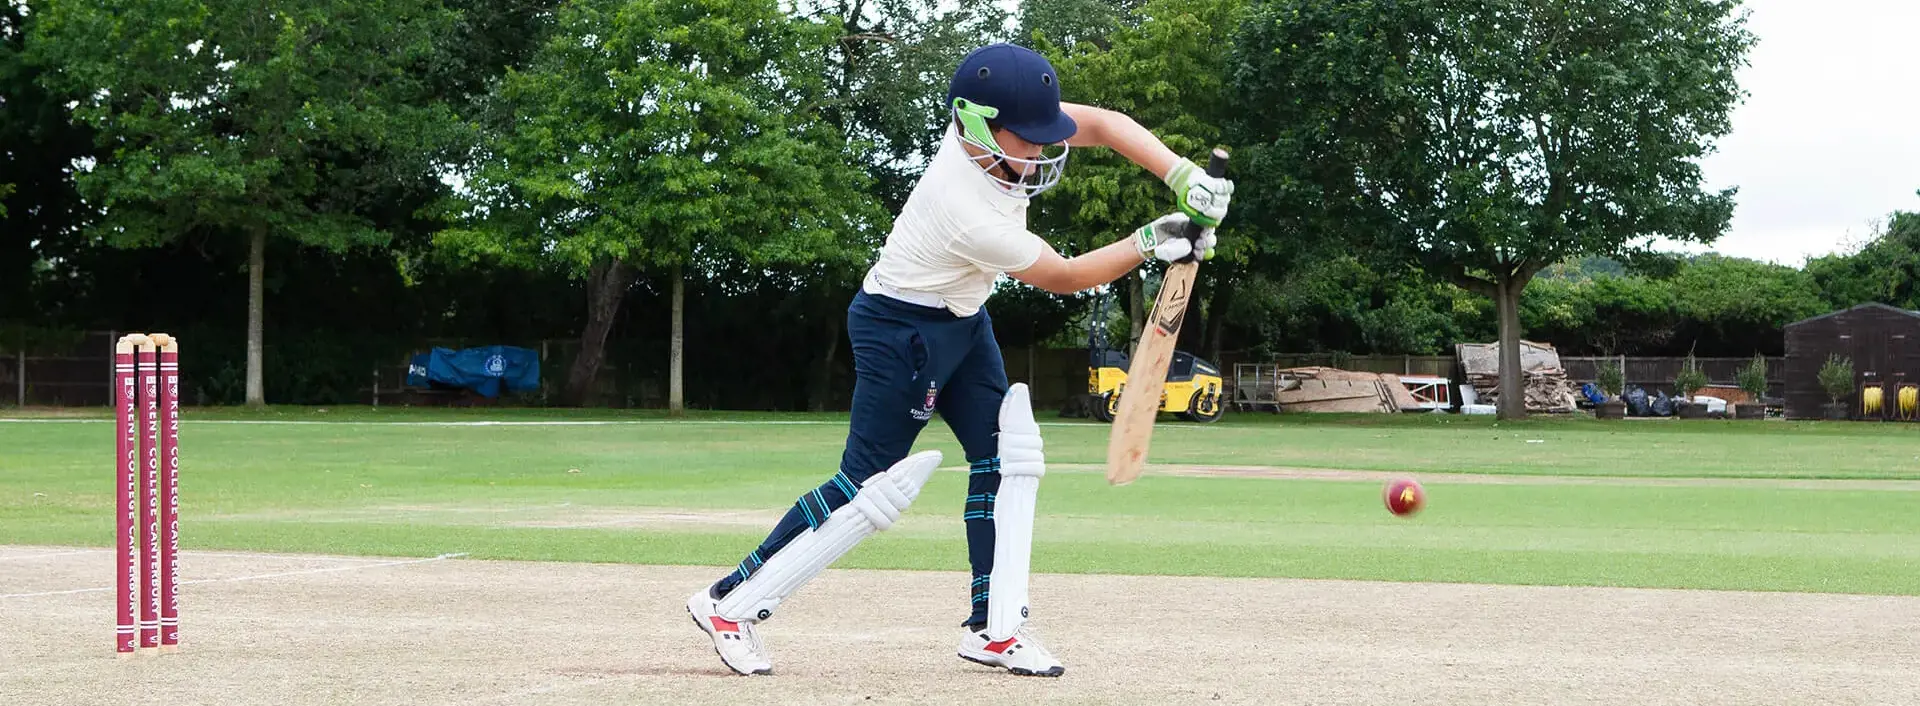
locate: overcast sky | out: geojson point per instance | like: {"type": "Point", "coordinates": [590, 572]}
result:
{"type": "Point", "coordinates": [1828, 141]}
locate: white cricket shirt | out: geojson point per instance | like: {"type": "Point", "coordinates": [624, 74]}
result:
{"type": "Point", "coordinates": [956, 235]}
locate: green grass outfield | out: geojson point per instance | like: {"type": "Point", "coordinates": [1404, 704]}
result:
{"type": "Point", "coordinates": [1797, 506]}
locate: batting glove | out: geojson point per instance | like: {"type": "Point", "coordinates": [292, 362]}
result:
{"type": "Point", "coordinates": [1200, 196]}
{"type": "Point", "coordinates": [1165, 239]}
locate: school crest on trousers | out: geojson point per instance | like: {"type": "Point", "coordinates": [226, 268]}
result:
{"type": "Point", "coordinates": [925, 412]}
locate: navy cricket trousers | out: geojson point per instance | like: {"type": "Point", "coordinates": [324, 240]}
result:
{"type": "Point", "coordinates": [909, 362]}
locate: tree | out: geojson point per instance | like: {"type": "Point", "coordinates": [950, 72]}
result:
{"type": "Point", "coordinates": [40, 143]}
{"type": "Point", "coordinates": [1487, 139]}
{"type": "Point", "coordinates": [255, 119]}
{"type": "Point", "coordinates": [664, 136]}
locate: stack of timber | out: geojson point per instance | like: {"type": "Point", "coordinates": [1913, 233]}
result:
{"type": "Point", "coordinates": [1335, 390]}
{"type": "Point", "coordinates": [1544, 381]}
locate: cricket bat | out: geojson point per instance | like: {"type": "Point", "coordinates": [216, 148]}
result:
{"type": "Point", "coordinates": [1147, 376]}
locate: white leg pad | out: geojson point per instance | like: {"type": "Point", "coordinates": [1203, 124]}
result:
{"type": "Point", "coordinates": [874, 508]}
{"type": "Point", "coordinates": [1022, 463]}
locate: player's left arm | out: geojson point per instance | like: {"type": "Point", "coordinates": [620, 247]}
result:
{"type": "Point", "coordinates": [1202, 197]}
{"type": "Point", "coordinates": [1114, 130]}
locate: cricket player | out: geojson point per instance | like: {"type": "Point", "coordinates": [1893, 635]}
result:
{"type": "Point", "coordinates": [923, 343]}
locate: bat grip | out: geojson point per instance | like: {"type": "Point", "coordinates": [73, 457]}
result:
{"type": "Point", "coordinates": [1216, 167]}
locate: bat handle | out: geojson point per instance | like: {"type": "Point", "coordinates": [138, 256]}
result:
{"type": "Point", "coordinates": [1216, 167]}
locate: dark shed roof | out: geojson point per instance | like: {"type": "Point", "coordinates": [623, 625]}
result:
{"type": "Point", "coordinates": [1857, 307]}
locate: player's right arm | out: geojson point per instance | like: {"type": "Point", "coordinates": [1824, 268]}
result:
{"type": "Point", "coordinates": [1200, 196]}
{"type": "Point", "coordinates": [1161, 239]}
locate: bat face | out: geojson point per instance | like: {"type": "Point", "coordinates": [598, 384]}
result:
{"type": "Point", "coordinates": [1171, 309]}
{"type": "Point", "coordinates": [1147, 378]}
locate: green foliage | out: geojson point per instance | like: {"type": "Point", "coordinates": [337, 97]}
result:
{"type": "Point", "coordinates": [1719, 305]}
{"type": "Point", "coordinates": [1342, 304]}
{"type": "Point", "coordinates": [44, 218]}
{"type": "Point", "coordinates": [1886, 269]}
{"type": "Point", "coordinates": [322, 368]}
{"type": "Point", "coordinates": [1836, 377]}
{"type": "Point", "coordinates": [667, 132]}
{"type": "Point", "coordinates": [1025, 316]}
{"type": "Point", "coordinates": [1607, 314]}
{"type": "Point", "coordinates": [1739, 305]}
{"type": "Point", "coordinates": [227, 116]}
{"type": "Point", "coordinates": [1752, 377]}
{"type": "Point", "coordinates": [1070, 23]}
{"type": "Point", "coordinates": [886, 79]}
{"type": "Point", "coordinates": [1492, 143]}
{"type": "Point", "coordinates": [1690, 378]}
{"type": "Point", "coordinates": [1167, 73]}
{"type": "Point", "coordinates": [1612, 379]}
{"type": "Point", "coordinates": [486, 38]}
{"type": "Point", "coordinates": [1585, 268]}
{"type": "Point", "coordinates": [36, 340]}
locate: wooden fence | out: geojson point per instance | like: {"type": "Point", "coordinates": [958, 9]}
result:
{"type": "Point", "coordinates": [82, 377]}
{"type": "Point", "coordinates": [1656, 374]}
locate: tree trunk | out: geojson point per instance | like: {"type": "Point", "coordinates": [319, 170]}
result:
{"type": "Point", "coordinates": [1194, 325]}
{"type": "Point", "coordinates": [256, 319]}
{"type": "Point", "coordinates": [1513, 399]}
{"type": "Point", "coordinates": [1136, 310]}
{"type": "Point", "coordinates": [821, 388]}
{"type": "Point", "coordinates": [1217, 321]}
{"type": "Point", "coordinates": [676, 391]}
{"type": "Point", "coordinates": [606, 287]}
{"type": "Point", "coordinates": [1033, 354]}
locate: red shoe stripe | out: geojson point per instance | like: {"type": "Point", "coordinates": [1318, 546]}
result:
{"type": "Point", "coordinates": [722, 624]}
{"type": "Point", "coordinates": [1000, 647]}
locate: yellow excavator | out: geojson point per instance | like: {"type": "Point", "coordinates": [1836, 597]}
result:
{"type": "Point", "coordinates": [1194, 389]}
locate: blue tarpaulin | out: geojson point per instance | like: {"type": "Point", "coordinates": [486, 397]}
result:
{"type": "Point", "coordinates": [484, 370]}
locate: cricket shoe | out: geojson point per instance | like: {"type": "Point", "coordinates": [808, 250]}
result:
{"type": "Point", "coordinates": [736, 643]}
{"type": "Point", "coordinates": [1020, 654]}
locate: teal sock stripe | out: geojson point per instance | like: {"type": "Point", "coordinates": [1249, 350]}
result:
{"type": "Point", "coordinates": [979, 507]}
{"type": "Point", "coordinates": [845, 484]}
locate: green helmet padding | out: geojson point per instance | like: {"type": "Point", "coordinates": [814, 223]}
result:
{"type": "Point", "coordinates": [973, 121]}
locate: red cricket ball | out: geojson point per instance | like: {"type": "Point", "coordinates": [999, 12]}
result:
{"type": "Point", "coordinates": [1404, 497]}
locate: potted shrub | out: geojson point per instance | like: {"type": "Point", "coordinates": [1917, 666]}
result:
{"type": "Point", "coordinates": [1689, 381]}
{"type": "Point", "coordinates": [1753, 381]}
{"type": "Point", "coordinates": [1612, 381]}
{"type": "Point", "coordinates": [1836, 378]}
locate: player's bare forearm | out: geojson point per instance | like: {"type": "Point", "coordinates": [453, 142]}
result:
{"type": "Point", "coordinates": [1061, 275]}
{"type": "Point", "coordinates": [1105, 128]}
